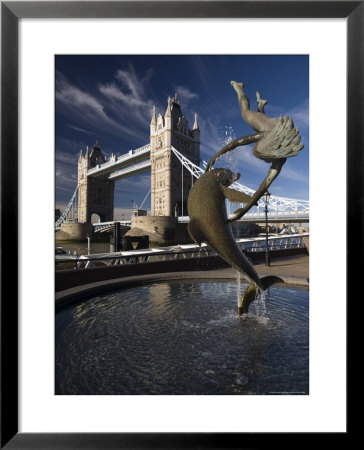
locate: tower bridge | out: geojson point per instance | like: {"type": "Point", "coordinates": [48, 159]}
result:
{"type": "Point", "coordinates": [173, 157]}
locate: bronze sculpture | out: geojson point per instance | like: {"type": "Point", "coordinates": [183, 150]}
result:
{"type": "Point", "coordinates": [275, 140]}
{"type": "Point", "coordinates": [209, 221]}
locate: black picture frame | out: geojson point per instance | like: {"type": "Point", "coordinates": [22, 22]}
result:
{"type": "Point", "coordinates": [11, 12]}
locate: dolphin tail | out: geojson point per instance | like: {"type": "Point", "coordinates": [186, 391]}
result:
{"type": "Point", "coordinates": [250, 293]}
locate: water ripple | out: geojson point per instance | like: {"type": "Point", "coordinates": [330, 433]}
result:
{"type": "Point", "coordinates": [183, 338]}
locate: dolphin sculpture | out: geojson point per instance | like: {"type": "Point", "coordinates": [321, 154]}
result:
{"type": "Point", "coordinates": [250, 293]}
{"type": "Point", "coordinates": [276, 139]}
{"type": "Point", "coordinates": [209, 223]}
{"type": "Point", "coordinates": [209, 220]}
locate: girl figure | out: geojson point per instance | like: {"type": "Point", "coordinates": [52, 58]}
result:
{"type": "Point", "coordinates": [256, 119]}
{"type": "Point", "coordinates": [279, 138]}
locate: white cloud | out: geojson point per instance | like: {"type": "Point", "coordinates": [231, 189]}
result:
{"type": "Point", "coordinates": [129, 79]}
{"type": "Point", "coordinates": [67, 158]}
{"type": "Point", "coordinates": [72, 95]}
{"type": "Point", "coordinates": [65, 179]}
{"type": "Point", "coordinates": [299, 114]}
{"type": "Point", "coordinates": [66, 145]}
{"type": "Point", "coordinates": [81, 130]}
{"type": "Point", "coordinates": [130, 100]}
{"type": "Point", "coordinates": [93, 112]}
{"type": "Point", "coordinates": [185, 95]}
{"type": "Point", "coordinates": [292, 174]}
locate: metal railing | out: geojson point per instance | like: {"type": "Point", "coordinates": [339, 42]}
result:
{"type": "Point", "coordinates": [247, 245]}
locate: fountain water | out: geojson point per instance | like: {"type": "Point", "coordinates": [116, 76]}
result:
{"type": "Point", "coordinates": [183, 337]}
{"type": "Point", "coordinates": [238, 290]}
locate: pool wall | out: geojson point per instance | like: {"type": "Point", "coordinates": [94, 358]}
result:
{"type": "Point", "coordinates": [79, 293]}
{"type": "Point", "coordinates": [66, 279]}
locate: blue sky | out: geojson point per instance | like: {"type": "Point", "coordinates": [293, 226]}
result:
{"type": "Point", "coordinates": [110, 98]}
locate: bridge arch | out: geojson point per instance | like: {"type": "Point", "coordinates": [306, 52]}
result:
{"type": "Point", "coordinates": [97, 217]}
{"type": "Point", "coordinates": [180, 208]}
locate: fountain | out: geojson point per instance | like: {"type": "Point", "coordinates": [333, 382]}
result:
{"type": "Point", "coordinates": [181, 337]}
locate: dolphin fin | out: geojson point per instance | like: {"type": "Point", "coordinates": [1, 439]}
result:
{"type": "Point", "coordinates": [250, 293]}
{"type": "Point", "coordinates": [195, 233]}
{"type": "Point", "coordinates": [236, 196]}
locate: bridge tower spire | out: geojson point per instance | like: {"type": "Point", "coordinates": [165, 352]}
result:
{"type": "Point", "coordinates": [153, 122]}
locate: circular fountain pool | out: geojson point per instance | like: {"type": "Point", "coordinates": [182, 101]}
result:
{"type": "Point", "coordinates": [183, 338]}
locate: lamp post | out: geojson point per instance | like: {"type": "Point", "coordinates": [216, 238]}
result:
{"type": "Point", "coordinates": [88, 243]}
{"type": "Point", "coordinates": [266, 199]}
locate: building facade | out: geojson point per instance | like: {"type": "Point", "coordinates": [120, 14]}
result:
{"type": "Point", "coordinates": [170, 181]}
{"type": "Point", "coordinates": [95, 194]}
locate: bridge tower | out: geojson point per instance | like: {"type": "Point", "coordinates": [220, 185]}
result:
{"type": "Point", "coordinates": [170, 183]}
{"type": "Point", "coordinates": [95, 194]}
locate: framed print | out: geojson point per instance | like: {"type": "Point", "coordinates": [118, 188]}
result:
{"type": "Point", "coordinates": [43, 43]}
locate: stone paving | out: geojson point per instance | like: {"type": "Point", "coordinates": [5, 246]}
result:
{"type": "Point", "coordinates": [292, 269]}
{"type": "Point", "coordinates": [294, 266]}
